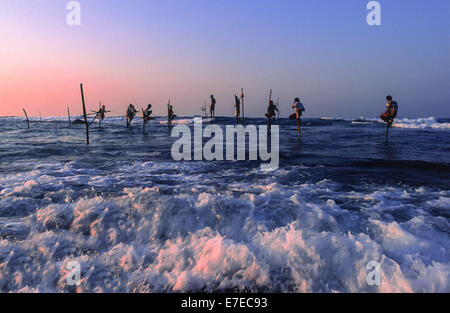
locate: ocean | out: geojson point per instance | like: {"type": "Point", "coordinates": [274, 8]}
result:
{"type": "Point", "coordinates": [135, 220]}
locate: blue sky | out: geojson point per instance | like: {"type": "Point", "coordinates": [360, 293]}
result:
{"type": "Point", "coordinates": [322, 51]}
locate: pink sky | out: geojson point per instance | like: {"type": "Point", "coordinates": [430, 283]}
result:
{"type": "Point", "coordinates": [151, 51]}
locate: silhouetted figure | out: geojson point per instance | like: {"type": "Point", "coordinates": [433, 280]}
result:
{"type": "Point", "coordinates": [271, 113]}
{"type": "Point", "coordinates": [299, 109]}
{"type": "Point", "coordinates": [148, 113]}
{"type": "Point", "coordinates": [212, 106]}
{"type": "Point", "coordinates": [389, 115]}
{"type": "Point", "coordinates": [101, 113]}
{"type": "Point", "coordinates": [237, 107]}
{"type": "Point", "coordinates": [131, 113]}
{"type": "Point", "coordinates": [170, 114]}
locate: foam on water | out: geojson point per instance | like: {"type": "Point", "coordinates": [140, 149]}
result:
{"type": "Point", "coordinates": [413, 123]}
{"type": "Point", "coordinates": [194, 235]}
{"type": "Point", "coordinates": [421, 123]}
{"type": "Point", "coordinates": [179, 121]}
{"type": "Point", "coordinates": [138, 221]}
{"type": "Point", "coordinates": [410, 123]}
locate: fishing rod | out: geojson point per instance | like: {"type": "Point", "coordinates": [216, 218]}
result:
{"type": "Point", "coordinates": [93, 120]}
{"type": "Point", "coordinates": [203, 108]}
{"type": "Point", "coordinates": [278, 106]}
{"type": "Point", "coordinates": [95, 117]}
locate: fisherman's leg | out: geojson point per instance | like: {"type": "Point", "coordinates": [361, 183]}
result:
{"type": "Point", "coordinates": [387, 132]}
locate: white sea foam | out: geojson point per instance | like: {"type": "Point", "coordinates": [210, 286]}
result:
{"type": "Point", "coordinates": [414, 123]}
{"type": "Point", "coordinates": [196, 237]}
{"type": "Point", "coordinates": [421, 123]}
{"type": "Point", "coordinates": [179, 121]}
{"type": "Point", "coordinates": [188, 120]}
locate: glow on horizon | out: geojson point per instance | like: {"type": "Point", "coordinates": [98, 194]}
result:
{"type": "Point", "coordinates": [151, 51]}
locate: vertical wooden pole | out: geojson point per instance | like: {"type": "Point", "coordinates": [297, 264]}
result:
{"type": "Point", "coordinates": [99, 117]}
{"type": "Point", "coordinates": [268, 116]}
{"type": "Point", "coordinates": [387, 133]}
{"type": "Point", "coordinates": [143, 121]}
{"type": "Point", "coordinates": [68, 114]}
{"type": "Point", "coordinates": [26, 116]}
{"type": "Point", "coordinates": [242, 100]}
{"type": "Point", "coordinates": [169, 116]}
{"type": "Point", "coordinates": [235, 108]}
{"type": "Point", "coordinates": [84, 114]}
{"type": "Point", "coordinates": [40, 117]}
{"type": "Point", "coordinates": [278, 106]}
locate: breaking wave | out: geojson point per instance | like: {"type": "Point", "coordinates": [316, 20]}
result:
{"type": "Point", "coordinates": [259, 235]}
{"type": "Point", "coordinates": [421, 123]}
{"type": "Point", "coordinates": [415, 123]}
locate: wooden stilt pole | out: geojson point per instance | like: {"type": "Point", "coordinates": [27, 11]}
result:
{"type": "Point", "coordinates": [68, 114]}
{"type": "Point", "coordinates": [128, 117]}
{"type": "Point", "coordinates": [143, 121]}
{"type": "Point", "coordinates": [387, 133]}
{"type": "Point", "coordinates": [26, 116]}
{"type": "Point", "coordinates": [298, 126]}
{"type": "Point", "coordinates": [40, 117]}
{"type": "Point", "coordinates": [92, 121]}
{"type": "Point", "coordinates": [84, 114]}
{"type": "Point", "coordinates": [269, 117]}
{"type": "Point", "coordinates": [169, 116]}
{"type": "Point", "coordinates": [99, 117]}
{"type": "Point", "coordinates": [242, 101]}
{"type": "Point", "coordinates": [278, 106]}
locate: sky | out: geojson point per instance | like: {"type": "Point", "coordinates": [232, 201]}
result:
{"type": "Point", "coordinates": [140, 52]}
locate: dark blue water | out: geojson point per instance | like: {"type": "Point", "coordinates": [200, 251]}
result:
{"type": "Point", "coordinates": [340, 198]}
{"type": "Point", "coordinates": [348, 150]}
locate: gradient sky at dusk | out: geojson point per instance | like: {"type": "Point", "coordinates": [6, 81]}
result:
{"type": "Point", "coordinates": [143, 52]}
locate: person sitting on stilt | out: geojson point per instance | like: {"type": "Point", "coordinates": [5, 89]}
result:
{"type": "Point", "coordinates": [389, 115]}
{"type": "Point", "coordinates": [299, 109]}
{"type": "Point", "coordinates": [148, 113]}
{"type": "Point", "coordinates": [271, 113]}
{"type": "Point", "coordinates": [131, 112]}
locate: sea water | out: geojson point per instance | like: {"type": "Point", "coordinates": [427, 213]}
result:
{"type": "Point", "coordinates": [138, 221]}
